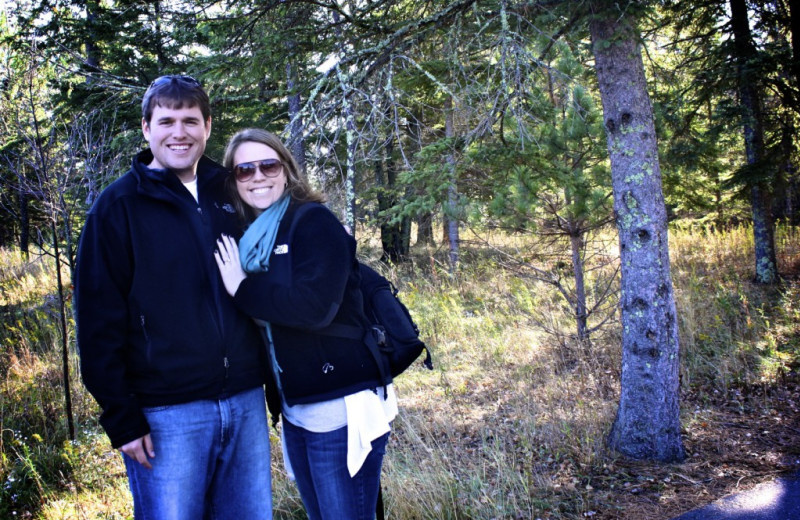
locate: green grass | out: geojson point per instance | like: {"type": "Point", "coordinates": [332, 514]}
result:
{"type": "Point", "coordinates": [510, 424]}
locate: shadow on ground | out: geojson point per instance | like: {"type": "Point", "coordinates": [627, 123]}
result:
{"type": "Point", "coordinates": [776, 500]}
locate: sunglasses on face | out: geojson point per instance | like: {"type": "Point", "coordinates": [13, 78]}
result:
{"type": "Point", "coordinates": [268, 168]}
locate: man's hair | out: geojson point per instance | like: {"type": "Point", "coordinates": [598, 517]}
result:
{"type": "Point", "coordinates": [175, 92]}
{"type": "Point", "coordinates": [297, 185]}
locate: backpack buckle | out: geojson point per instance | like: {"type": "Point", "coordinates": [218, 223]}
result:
{"type": "Point", "coordinates": [380, 334]}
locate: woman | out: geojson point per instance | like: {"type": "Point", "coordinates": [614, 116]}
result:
{"type": "Point", "coordinates": [336, 410]}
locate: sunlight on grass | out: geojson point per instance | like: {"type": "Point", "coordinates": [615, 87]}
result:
{"type": "Point", "coordinates": [99, 487]}
{"type": "Point", "coordinates": [22, 281]}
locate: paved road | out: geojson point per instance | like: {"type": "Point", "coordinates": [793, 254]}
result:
{"type": "Point", "coordinates": [777, 500]}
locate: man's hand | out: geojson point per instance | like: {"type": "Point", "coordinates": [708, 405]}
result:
{"type": "Point", "coordinates": [140, 450]}
{"type": "Point", "coordinates": [227, 257]}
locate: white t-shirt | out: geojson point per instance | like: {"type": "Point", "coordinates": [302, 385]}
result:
{"type": "Point", "coordinates": [192, 187]}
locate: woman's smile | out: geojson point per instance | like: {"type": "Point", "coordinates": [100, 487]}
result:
{"type": "Point", "coordinates": [259, 191]}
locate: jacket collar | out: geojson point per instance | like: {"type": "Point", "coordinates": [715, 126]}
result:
{"type": "Point", "coordinates": [153, 182]}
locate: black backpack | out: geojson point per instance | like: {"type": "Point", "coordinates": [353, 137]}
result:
{"type": "Point", "coordinates": [396, 334]}
{"type": "Point", "coordinates": [391, 333]}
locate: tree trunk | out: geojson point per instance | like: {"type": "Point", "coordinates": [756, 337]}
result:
{"type": "Point", "coordinates": [425, 230]}
{"type": "Point", "coordinates": [384, 203]}
{"type": "Point", "coordinates": [159, 38]}
{"type": "Point", "coordinates": [576, 244]}
{"type": "Point", "coordinates": [647, 425]}
{"type": "Point", "coordinates": [296, 142]}
{"type": "Point", "coordinates": [92, 52]}
{"type": "Point", "coordinates": [794, 24]}
{"type": "Point", "coordinates": [24, 220]}
{"type": "Point", "coordinates": [350, 136]}
{"type": "Point", "coordinates": [452, 192]}
{"type": "Point", "coordinates": [296, 139]}
{"type": "Point", "coordinates": [395, 237]}
{"type": "Point", "coordinates": [790, 174]}
{"type": "Point", "coordinates": [62, 308]}
{"type": "Point", "coordinates": [752, 121]}
{"type": "Point", "coordinates": [48, 186]}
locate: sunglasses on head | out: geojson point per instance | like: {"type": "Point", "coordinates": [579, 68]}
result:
{"type": "Point", "coordinates": [268, 167]}
{"type": "Point", "coordinates": [175, 77]}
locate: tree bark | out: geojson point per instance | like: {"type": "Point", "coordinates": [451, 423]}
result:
{"type": "Point", "coordinates": [752, 122]}
{"type": "Point", "coordinates": [62, 309]}
{"type": "Point", "coordinates": [576, 246]}
{"type": "Point", "coordinates": [425, 230]}
{"type": "Point", "coordinates": [395, 237]}
{"type": "Point", "coordinates": [647, 425]}
{"type": "Point", "coordinates": [452, 191]}
{"type": "Point", "coordinates": [350, 137]}
{"type": "Point", "coordinates": [794, 27]}
{"type": "Point", "coordinates": [159, 38]}
{"type": "Point", "coordinates": [24, 221]}
{"type": "Point", "coordinates": [296, 139]}
{"type": "Point", "coordinates": [92, 52]}
{"type": "Point", "coordinates": [297, 14]}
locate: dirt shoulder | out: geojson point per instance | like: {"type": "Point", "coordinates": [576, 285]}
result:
{"type": "Point", "coordinates": [734, 442]}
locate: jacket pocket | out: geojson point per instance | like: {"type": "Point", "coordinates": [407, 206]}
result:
{"type": "Point", "coordinates": [148, 344]}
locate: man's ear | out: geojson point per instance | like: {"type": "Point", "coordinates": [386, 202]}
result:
{"type": "Point", "coordinates": [145, 129]}
{"type": "Point", "coordinates": [208, 127]}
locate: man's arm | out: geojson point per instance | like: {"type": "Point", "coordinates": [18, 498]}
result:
{"type": "Point", "coordinates": [102, 282]}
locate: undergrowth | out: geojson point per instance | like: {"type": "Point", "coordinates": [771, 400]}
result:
{"type": "Point", "coordinates": [510, 424]}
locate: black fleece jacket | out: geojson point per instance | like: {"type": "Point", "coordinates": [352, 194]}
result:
{"type": "Point", "coordinates": [155, 325]}
{"type": "Point", "coordinates": [312, 281]}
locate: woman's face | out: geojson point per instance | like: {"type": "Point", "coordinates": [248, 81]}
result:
{"type": "Point", "coordinates": [260, 180]}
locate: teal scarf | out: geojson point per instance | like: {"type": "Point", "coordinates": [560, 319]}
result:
{"type": "Point", "coordinates": [257, 243]}
{"type": "Point", "coordinates": [255, 248]}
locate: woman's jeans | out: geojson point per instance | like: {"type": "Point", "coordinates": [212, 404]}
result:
{"type": "Point", "coordinates": [319, 462]}
{"type": "Point", "coordinates": [211, 461]}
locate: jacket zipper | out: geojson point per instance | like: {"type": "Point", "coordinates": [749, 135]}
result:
{"type": "Point", "coordinates": [144, 329]}
{"type": "Point", "coordinates": [215, 314]}
{"type": "Point", "coordinates": [215, 310]}
{"type": "Point", "coordinates": [148, 346]}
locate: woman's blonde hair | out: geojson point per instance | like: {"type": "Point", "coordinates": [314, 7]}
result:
{"type": "Point", "coordinates": [297, 186]}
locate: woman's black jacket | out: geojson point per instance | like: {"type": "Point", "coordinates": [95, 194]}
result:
{"type": "Point", "coordinates": [312, 281]}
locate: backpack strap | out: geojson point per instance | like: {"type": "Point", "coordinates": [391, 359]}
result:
{"type": "Point", "coordinates": [374, 338]}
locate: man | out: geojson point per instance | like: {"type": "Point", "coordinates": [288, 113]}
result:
{"type": "Point", "coordinates": [176, 368]}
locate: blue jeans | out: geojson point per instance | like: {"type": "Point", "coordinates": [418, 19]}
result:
{"type": "Point", "coordinates": [319, 462]}
{"type": "Point", "coordinates": [212, 461]}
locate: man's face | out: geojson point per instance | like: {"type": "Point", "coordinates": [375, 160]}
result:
{"type": "Point", "coordinates": [177, 137]}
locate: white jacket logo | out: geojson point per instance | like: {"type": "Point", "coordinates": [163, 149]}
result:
{"type": "Point", "coordinates": [281, 249]}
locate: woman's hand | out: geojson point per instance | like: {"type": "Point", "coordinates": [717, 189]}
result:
{"type": "Point", "coordinates": [230, 267]}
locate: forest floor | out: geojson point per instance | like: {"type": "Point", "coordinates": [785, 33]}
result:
{"type": "Point", "coordinates": [738, 444]}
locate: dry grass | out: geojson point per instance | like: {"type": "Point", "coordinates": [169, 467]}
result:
{"type": "Point", "coordinates": [511, 424]}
